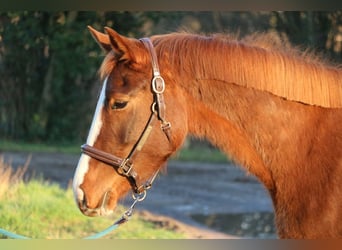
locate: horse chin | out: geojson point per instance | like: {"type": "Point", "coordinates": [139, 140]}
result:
{"type": "Point", "coordinates": [97, 212]}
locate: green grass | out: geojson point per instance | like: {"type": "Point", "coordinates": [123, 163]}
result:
{"type": "Point", "coordinates": [44, 211]}
{"type": "Point", "coordinates": [41, 210]}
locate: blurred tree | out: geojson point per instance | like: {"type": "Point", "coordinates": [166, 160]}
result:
{"type": "Point", "coordinates": [48, 67]}
{"type": "Point", "coordinates": [321, 31]}
{"type": "Point", "coordinates": [48, 60]}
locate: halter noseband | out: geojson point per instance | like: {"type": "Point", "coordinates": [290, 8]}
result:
{"type": "Point", "coordinates": [124, 166]}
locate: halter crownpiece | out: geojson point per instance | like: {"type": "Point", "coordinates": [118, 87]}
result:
{"type": "Point", "coordinates": [158, 87]}
{"type": "Point", "coordinates": [124, 166]}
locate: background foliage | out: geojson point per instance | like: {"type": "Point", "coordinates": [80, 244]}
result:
{"type": "Point", "coordinates": [49, 61]}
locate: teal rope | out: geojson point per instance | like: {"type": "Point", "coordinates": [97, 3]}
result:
{"type": "Point", "coordinates": [122, 220]}
{"type": "Point", "coordinates": [12, 235]}
{"type": "Point", "coordinates": [95, 236]}
{"type": "Point", "coordinates": [102, 233]}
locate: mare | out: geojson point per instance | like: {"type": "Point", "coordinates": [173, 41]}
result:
{"type": "Point", "coordinates": [275, 110]}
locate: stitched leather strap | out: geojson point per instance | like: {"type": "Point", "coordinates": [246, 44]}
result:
{"type": "Point", "coordinates": [116, 162]}
{"type": "Point", "coordinates": [158, 86]}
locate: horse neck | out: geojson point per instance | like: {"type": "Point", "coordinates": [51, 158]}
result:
{"type": "Point", "coordinates": [240, 120]}
{"type": "Point", "coordinates": [223, 106]}
{"type": "Point", "coordinates": [217, 114]}
{"type": "Point", "coordinates": [220, 79]}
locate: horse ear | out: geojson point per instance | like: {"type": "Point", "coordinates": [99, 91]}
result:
{"type": "Point", "coordinates": [101, 38]}
{"type": "Point", "coordinates": [122, 46]}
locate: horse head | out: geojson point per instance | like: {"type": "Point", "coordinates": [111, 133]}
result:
{"type": "Point", "coordinates": [139, 122]}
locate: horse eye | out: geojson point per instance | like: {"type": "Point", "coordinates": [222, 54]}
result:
{"type": "Point", "coordinates": [119, 105]}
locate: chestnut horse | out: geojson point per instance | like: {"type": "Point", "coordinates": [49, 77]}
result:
{"type": "Point", "coordinates": [276, 111]}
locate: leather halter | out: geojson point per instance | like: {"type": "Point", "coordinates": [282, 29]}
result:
{"type": "Point", "coordinates": [124, 166]}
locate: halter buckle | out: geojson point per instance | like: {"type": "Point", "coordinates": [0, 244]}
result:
{"type": "Point", "coordinates": [158, 84]}
{"type": "Point", "coordinates": [125, 167]}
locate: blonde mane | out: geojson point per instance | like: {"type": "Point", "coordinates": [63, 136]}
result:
{"type": "Point", "coordinates": [262, 62]}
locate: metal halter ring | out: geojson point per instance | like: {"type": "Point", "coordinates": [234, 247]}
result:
{"type": "Point", "coordinates": [153, 107]}
{"type": "Point", "coordinates": [140, 196]}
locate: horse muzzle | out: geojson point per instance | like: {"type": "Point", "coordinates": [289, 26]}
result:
{"type": "Point", "coordinates": [102, 209]}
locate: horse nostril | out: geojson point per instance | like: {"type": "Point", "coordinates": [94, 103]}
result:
{"type": "Point", "coordinates": [84, 202]}
{"type": "Point", "coordinates": [84, 206]}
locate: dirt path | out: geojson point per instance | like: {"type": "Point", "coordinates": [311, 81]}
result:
{"type": "Point", "coordinates": [186, 190]}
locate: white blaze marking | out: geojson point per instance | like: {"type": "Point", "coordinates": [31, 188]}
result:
{"type": "Point", "coordinates": [95, 128]}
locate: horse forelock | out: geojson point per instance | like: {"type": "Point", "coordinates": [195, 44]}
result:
{"type": "Point", "coordinates": [264, 62]}
{"type": "Point", "coordinates": [107, 65]}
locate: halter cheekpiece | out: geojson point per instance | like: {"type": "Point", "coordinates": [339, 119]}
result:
{"type": "Point", "coordinates": [124, 166]}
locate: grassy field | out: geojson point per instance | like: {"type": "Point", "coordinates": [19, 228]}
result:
{"type": "Point", "coordinates": [44, 211]}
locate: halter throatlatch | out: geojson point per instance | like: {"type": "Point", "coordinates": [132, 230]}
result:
{"type": "Point", "coordinates": [124, 166]}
